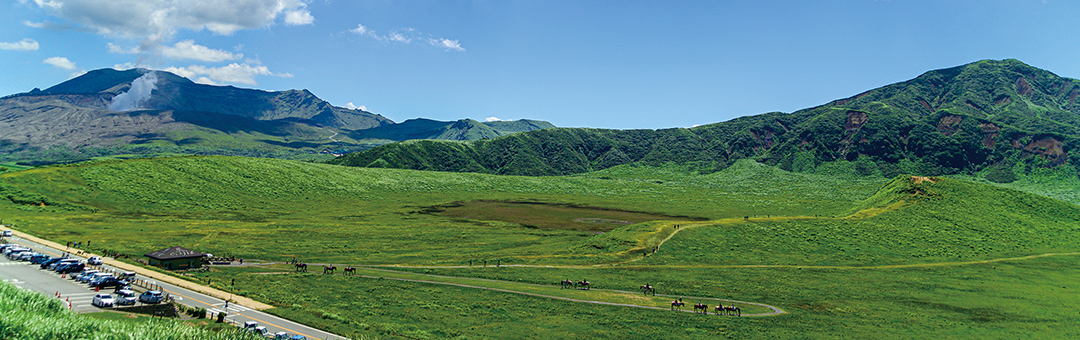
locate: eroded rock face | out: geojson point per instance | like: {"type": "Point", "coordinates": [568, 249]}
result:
{"type": "Point", "coordinates": [990, 134]}
{"type": "Point", "coordinates": [949, 124]}
{"type": "Point", "coordinates": [855, 120]}
{"type": "Point", "coordinates": [1050, 148]}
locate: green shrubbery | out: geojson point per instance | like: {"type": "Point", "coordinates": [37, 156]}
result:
{"type": "Point", "coordinates": [30, 315]}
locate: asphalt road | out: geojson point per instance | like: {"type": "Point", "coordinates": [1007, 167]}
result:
{"type": "Point", "coordinates": [30, 276]}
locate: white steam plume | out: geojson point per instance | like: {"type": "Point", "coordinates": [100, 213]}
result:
{"type": "Point", "coordinates": [139, 92]}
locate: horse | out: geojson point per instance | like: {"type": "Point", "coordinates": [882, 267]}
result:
{"type": "Point", "coordinates": [732, 310]}
{"type": "Point", "coordinates": [677, 304]}
{"type": "Point", "coordinates": [350, 271]}
{"type": "Point", "coordinates": [566, 284]}
{"type": "Point", "coordinates": [701, 307]}
{"type": "Point", "coordinates": [720, 308]}
{"type": "Point", "coordinates": [584, 284]}
{"type": "Point", "coordinates": [301, 267]}
{"type": "Point", "coordinates": [646, 289]}
{"type": "Point", "coordinates": [329, 269]}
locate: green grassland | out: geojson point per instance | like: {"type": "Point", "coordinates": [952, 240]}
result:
{"type": "Point", "coordinates": [860, 257]}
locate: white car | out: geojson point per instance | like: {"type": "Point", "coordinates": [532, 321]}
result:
{"type": "Point", "coordinates": [103, 300]}
{"type": "Point", "coordinates": [94, 260]}
{"type": "Point", "coordinates": [125, 297]}
{"type": "Point", "coordinates": [26, 255]}
{"type": "Point", "coordinates": [7, 233]}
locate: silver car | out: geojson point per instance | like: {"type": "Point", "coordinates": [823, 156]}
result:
{"type": "Point", "coordinates": [86, 273]}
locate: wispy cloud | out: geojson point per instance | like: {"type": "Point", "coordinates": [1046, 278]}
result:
{"type": "Point", "coordinates": [61, 62]}
{"type": "Point", "coordinates": [188, 49]}
{"type": "Point", "coordinates": [406, 36]}
{"type": "Point", "coordinates": [26, 44]}
{"type": "Point", "coordinates": [235, 73]}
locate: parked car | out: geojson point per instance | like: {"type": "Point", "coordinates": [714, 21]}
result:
{"type": "Point", "coordinates": [125, 297]}
{"type": "Point", "coordinates": [94, 260]}
{"type": "Point", "coordinates": [281, 336]}
{"type": "Point", "coordinates": [109, 281]}
{"type": "Point", "coordinates": [298, 337]}
{"type": "Point", "coordinates": [69, 268]}
{"type": "Point", "coordinates": [5, 246]}
{"type": "Point", "coordinates": [261, 331]}
{"type": "Point", "coordinates": [7, 233]}
{"type": "Point", "coordinates": [51, 261]}
{"type": "Point", "coordinates": [85, 273]}
{"type": "Point", "coordinates": [57, 264]}
{"type": "Point", "coordinates": [124, 287]}
{"type": "Point", "coordinates": [103, 300]}
{"type": "Point", "coordinates": [127, 276]}
{"type": "Point", "coordinates": [93, 277]}
{"type": "Point", "coordinates": [39, 258]}
{"type": "Point", "coordinates": [17, 253]}
{"type": "Point", "coordinates": [26, 255]}
{"type": "Point", "coordinates": [14, 251]}
{"type": "Point", "coordinates": [151, 296]}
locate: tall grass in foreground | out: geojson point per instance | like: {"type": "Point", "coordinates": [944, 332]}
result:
{"type": "Point", "coordinates": [26, 315]}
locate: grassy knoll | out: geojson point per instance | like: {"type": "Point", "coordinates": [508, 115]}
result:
{"type": "Point", "coordinates": [275, 210]}
{"type": "Point", "coordinates": [905, 257]}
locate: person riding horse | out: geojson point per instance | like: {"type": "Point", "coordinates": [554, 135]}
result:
{"type": "Point", "coordinates": [646, 289]}
{"type": "Point", "coordinates": [583, 283]}
{"type": "Point", "coordinates": [677, 304]}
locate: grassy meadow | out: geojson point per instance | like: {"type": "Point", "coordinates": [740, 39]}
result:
{"type": "Point", "coordinates": [844, 257]}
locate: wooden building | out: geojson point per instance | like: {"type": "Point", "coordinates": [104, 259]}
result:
{"type": "Point", "coordinates": [176, 258]}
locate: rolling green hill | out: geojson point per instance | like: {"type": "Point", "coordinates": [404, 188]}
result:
{"type": "Point", "coordinates": [985, 115]}
{"type": "Point", "coordinates": [867, 257]}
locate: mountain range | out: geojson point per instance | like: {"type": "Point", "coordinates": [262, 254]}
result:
{"type": "Point", "coordinates": [993, 117]}
{"type": "Point", "coordinates": [140, 112]}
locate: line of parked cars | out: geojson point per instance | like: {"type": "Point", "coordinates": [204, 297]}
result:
{"type": "Point", "coordinates": [125, 296]}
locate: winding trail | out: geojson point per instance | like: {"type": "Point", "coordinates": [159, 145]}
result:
{"type": "Point", "coordinates": [791, 266]}
{"type": "Point", "coordinates": [774, 310]}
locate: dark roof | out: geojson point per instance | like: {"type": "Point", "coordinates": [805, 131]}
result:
{"type": "Point", "coordinates": [174, 253]}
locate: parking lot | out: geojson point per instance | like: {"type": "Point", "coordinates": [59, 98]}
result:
{"type": "Point", "coordinates": [78, 296]}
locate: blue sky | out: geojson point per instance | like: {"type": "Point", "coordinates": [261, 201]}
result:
{"type": "Point", "coordinates": [604, 64]}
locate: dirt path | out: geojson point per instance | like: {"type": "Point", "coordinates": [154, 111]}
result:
{"type": "Point", "coordinates": [791, 266]}
{"type": "Point", "coordinates": [775, 310]}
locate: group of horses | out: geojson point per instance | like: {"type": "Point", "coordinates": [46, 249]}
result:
{"type": "Point", "coordinates": [704, 309]}
{"type": "Point", "coordinates": [302, 267]}
{"type": "Point", "coordinates": [583, 284]}
{"type": "Point", "coordinates": [649, 289]}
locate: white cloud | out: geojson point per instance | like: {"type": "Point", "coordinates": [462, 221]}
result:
{"type": "Point", "coordinates": [493, 119]}
{"type": "Point", "coordinates": [352, 106]}
{"type": "Point", "coordinates": [398, 37]}
{"type": "Point", "coordinates": [34, 24]}
{"type": "Point", "coordinates": [61, 62]}
{"type": "Point", "coordinates": [155, 22]}
{"type": "Point", "coordinates": [447, 44]}
{"type": "Point", "coordinates": [26, 44]}
{"type": "Point", "coordinates": [233, 73]}
{"type": "Point", "coordinates": [299, 17]}
{"type": "Point", "coordinates": [114, 48]}
{"type": "Point", "coordinates": [360, 29]}
{"type": "Point", "coordinates": [406, 36]}
{"type": "Point", "coordinates": [188, 49]}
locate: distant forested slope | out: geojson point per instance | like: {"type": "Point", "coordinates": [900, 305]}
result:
{"type": "Point", "coordinates": [985, 116]}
